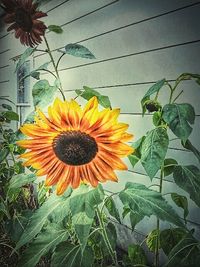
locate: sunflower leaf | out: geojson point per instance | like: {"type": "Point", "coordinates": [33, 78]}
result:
{"type": "Point", "coordinates": [111, 207]}
{"type": "Point", "coordinates": [188, 145]}
{"type": "Point", "coordinates": [78, 50]}
{"type": "Point", "coordinates": [27, 53]}
{"type": "Point", "coordinates": [47, 240]}
{"type": "Point", "coordinates": [19, 180]}
{"type": "Point", "coordinates": [153, 239]}
{"type": "Point", "coordinates": [43, 93]}
{"type": "Point", "coordinates": [135, 218]}
{"type": "Point", "coordinates": [39, 218]}
{"type": "Point", "coordinates": [82, 204]}
{"type": "Point", "coordinates": [154, 149]}
{"type": "Point", "coordinates": [169, 238]}
{"type": "Point", "coordinates": [147, 202]}
{"type": "Point", "coordinates": [88, 93]}
{"type": "Point", "coordinates": [185, 253]}
{"type": "Point", "coordinates": [67, 254]}
{"type": "Point", "coordinates": [8, 107]}
{"type": "Point", "coordinates": [11, 115]}
{"type": "Point", "coordinates": [188, 178]}
{"type": "Point", "coordinates": [179, 117]}
{"type": "Point", "coordinates": [182, 202]}
{"type": "Point", "coordinates": [136, 255]}
{"type": "Point", "coordinates": [136, 155]}
{"type": "Point", "coordinates": [55, 28]}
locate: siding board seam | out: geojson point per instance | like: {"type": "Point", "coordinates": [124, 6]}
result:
{"type": "Point", "coordinates": [130, 55]}
{"type": "Point", "coordinates": [128, 25]}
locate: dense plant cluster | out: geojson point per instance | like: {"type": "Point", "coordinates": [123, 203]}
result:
{"type": "Point", "coordinates": [77, 226]}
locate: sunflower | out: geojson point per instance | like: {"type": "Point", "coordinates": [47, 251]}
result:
{"type": "Point", "coordinates": [76, 144]}
{"type": "Point", "coordinates": [23, 16]}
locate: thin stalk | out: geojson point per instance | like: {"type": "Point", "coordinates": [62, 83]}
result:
{"type": "Point", "coordinates": [59, 60]}
{"type": "Point", "coordinates": [177, 96]}
{"type": "Point", "coordinates": [54, 65]}
{"type": "Point", "coordinates": [105, 237]}
{"type": "Point", "coordinates": [158, 222]}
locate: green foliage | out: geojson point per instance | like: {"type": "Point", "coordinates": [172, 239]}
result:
{"type": "Point", "coordinates": [169, 165]}
{"type": "Point", "coordinates": [157, 118]}
{"type": "Point", "coordinates": [179, 117]}
{"type": "Point", "coordinates": [185, 253]}
{"type": "Point", "coordinates": [136, 155]}
{"type": "Point", "coordinates": [43, 93]}
{"type": "Point", "coordinates": [39, 218]}
{"type": "Point", "coordinates": [153, 240]}
{"type": "Point", "coordinates": [36, 73]}
{"type": "Point", "coordinates": [146, 202]}
{"type": "Point", "coordinates": [55, 28]}
{"type": "Point", "coordinates": [154, 149]}
{"type": "Point", "coordinates": [182, 202]}
{"type": "Point", "coordinates": [19, 180]}
{"type": "Point", "coordinates": [188, 178]}
{"type": "Point", "coordinates": [47, 240]}
{"type": "Point", "coordinates": [152, 90]}
{"type": "Point", "coordinates": [78, 50]}
{"type": "Point", "coordinates": [4, 152]}
{"type": "Point", "coordinates": [111, 207]}
{"type": "Point", "coordinates": [6, 106]}
{"type": "Point", "coordinates": [82, 204]}
{"type": "Point", "coordinates": [89, 93]}
{"type": "Point", "coordinates": [10, 115]}
{"type": "Point", "coordinates": [27, 53]}
{"type": "Point", "coordinates": [169, 238]}
{"type": "Point", "coordinates": [70, 255]}
{"type": "Point", "coordinates": [136, 256]}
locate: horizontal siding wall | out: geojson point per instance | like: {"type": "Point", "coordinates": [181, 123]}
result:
{"type": "Point", "coordinates": [136, 43]}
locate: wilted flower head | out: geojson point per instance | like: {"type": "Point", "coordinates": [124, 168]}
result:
{"type": "Point", "coordinates": [23, 17]}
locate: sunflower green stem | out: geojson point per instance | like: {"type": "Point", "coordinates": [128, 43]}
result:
{"type": "Point", "coordinates": [55, 67]}
{"type": "Point", "coordinates": [156, 262]}
{"type": "Point", "coordinates": [106, 239]}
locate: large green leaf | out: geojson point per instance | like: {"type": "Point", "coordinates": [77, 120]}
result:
{"type": "Point", "coordinates": [78, 50]}
{"type": "Point", "coordinates": [182, 202]}
{"type": "Point", "coordinates": [47, 240]}
{"type": "Point", "coordinates": [27, 53]}
{"type": "Point", "coordinates": [186, 253]}
{"type": "Point", "coordinates": [69, 255]}
{"type": "Point", "coordinates": [135, 218]}
{"type": "Point", "coordinates": [188, 178]}
{"type": "Point", "coordinates": [153, 151]}
{"type": "Point", "coordinates": [179, 117]}
{"type": "Point", "coordinates": [82, 204]}
{"type": "Point", "coordinates": [188, 145]}
{"type": "Point", "coordinates": [43, 93]}
{"type": "Point", "coordinates": [39, 218]}
{"type": "Point", "coordinates": [111, 207]}
{"type": "Point", "coordinates": [169, 238]}
{"type": "Point", "coordinates": [19, 180]}
{"type": "Point", "coordinates": [146, 202]}
{"type": "Point", "coordinates": [88, 93]}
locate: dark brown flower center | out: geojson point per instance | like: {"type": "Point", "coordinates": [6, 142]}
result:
{"type": "Point", "coordinates": [75, 147]}
{"type": "Point", "coordinates": [23, 19]}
